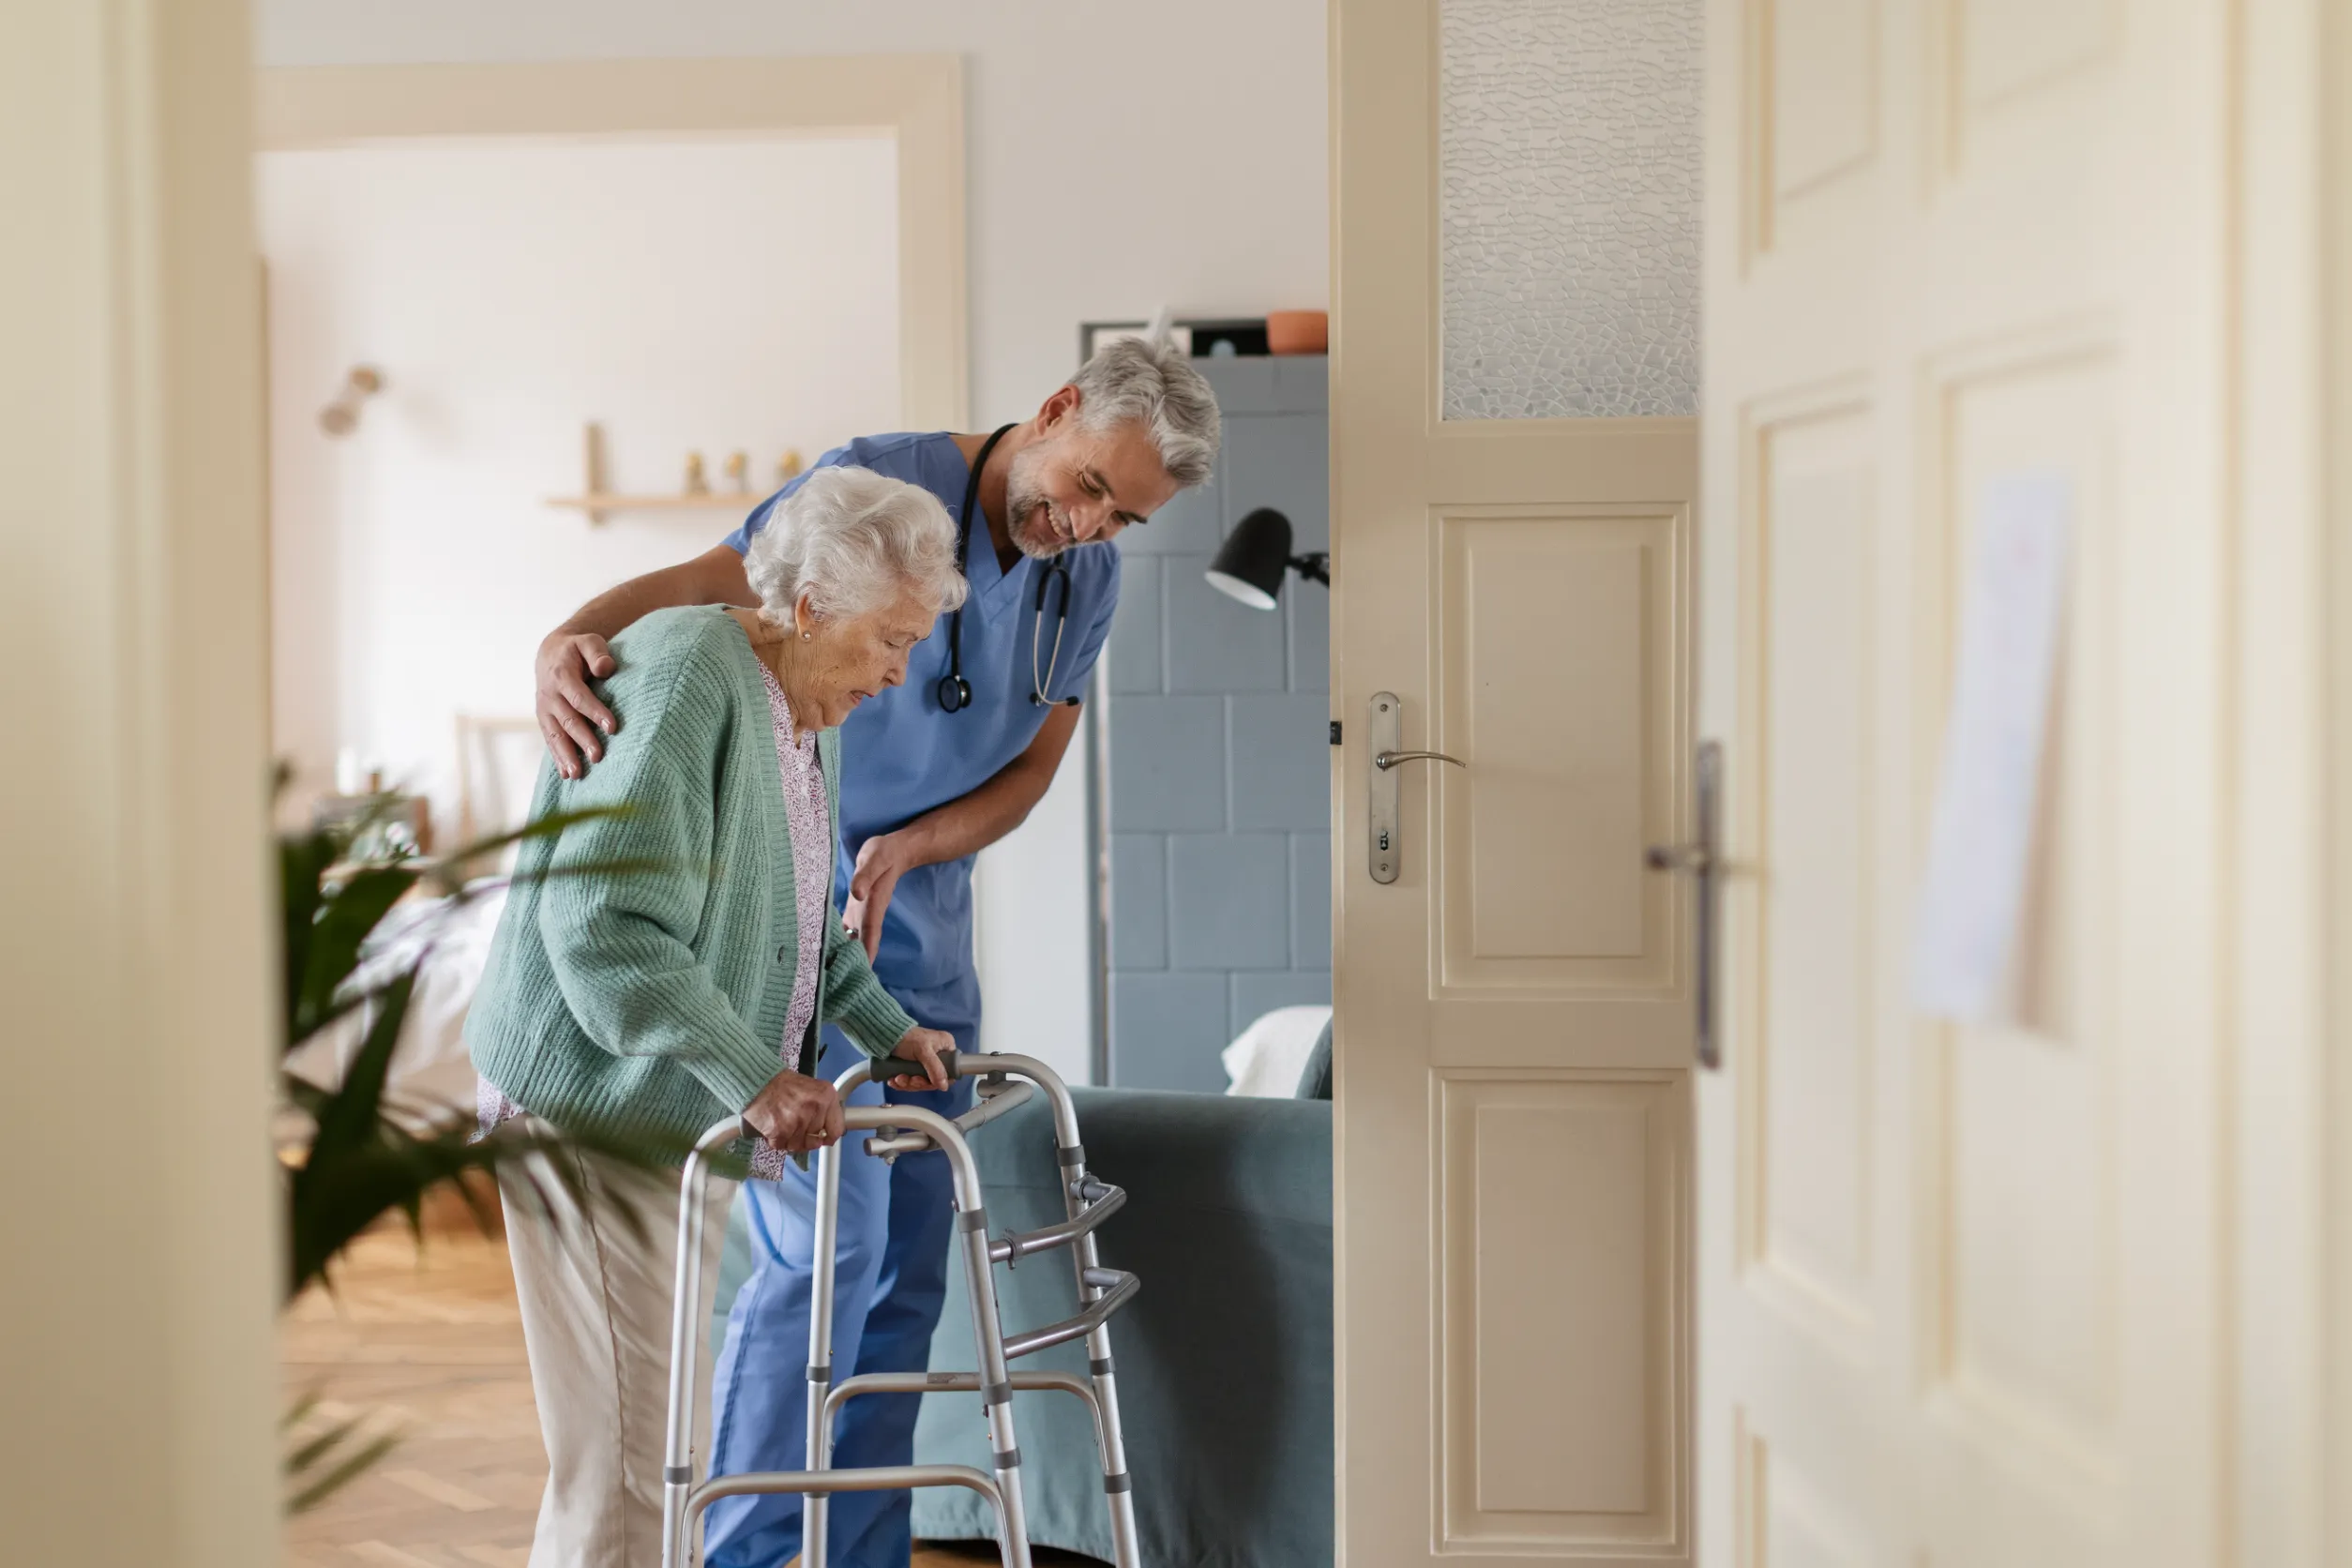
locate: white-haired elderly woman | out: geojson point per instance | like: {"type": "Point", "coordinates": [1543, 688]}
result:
{"type": "Point", "coordinates": [668, 964]}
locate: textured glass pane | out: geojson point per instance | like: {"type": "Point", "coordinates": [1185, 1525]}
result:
{"type": "Point", "coordinates": [1568, 207]}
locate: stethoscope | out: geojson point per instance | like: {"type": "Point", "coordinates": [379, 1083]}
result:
{"type": "Point", "coordinates": [954, 692]}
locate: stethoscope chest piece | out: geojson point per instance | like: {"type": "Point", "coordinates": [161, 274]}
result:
{"type": "Point", "coordinates": [955, 693]}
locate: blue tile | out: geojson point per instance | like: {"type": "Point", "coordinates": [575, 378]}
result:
{"type": "Point", "coordinates": [1215, 643]}
{"type": "Point", "coordinates": [1229, 901]}
{"type": "Point", "coordinates": [1278, 755]}
{"type": "Point", "coordinates": [1310, 900]}
{"type": "Point", "coordinates": [1307, 606]}
{"type": "Point", "coordinates": [1241, 386]}
{"type": "Point", "coordinates": [1302, 384]}
{"type": "Point", "coordinates": [1133, 652]}
{"type": "Point", "coordinates": [1189, 523]}
{"type": "Point", "coordinates": [1167, 1031]}
{"type": "Point", "coordinates": [1139, 900]}
{"type": "Point", "coordinates": [1167, 764]}
{"type": "Point", "coordinates": [1256, 995]}
{"type": "Point", "coordinates": [1284, 461]}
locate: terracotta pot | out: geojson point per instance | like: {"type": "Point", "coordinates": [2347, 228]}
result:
{"type": "Point", "coordinates": [1297, 332]}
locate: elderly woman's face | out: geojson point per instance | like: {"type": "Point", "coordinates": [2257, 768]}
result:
{"type": "Point", "coordinates": [853, 658]}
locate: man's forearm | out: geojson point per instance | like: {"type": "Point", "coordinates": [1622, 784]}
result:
{"type": "Point", "coordinates": [971, 822]}
{"type": "Point", "coordinates": [715, 577]}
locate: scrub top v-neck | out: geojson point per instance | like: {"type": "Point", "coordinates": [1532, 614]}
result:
{"type": "Point", "coordinates": [901, 754]}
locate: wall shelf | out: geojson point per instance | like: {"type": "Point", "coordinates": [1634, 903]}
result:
{"type": "Point", "coordinates": [599, 503]}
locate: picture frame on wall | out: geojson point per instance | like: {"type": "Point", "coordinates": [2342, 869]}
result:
{"type": "Point", "coordinates": [1094, 335]}
{"type": "Point", "coordinates": [1202, 338]}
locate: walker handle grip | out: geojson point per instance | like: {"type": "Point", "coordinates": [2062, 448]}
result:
{"type": "Point", "coordinates": [888, 1067]}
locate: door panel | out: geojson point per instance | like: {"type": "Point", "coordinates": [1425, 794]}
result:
{"type": "Point", "coordinates": [1959, 1290]}
{"type": "Point", "coordinates": [1513, 1030]}
{"type": "Point", "coordinates": [1559, 1300]}
{"type": "Point", "coordinates": [1812, 660]}
{"type": "Point", "coordinates": [1557, 644]}
{"type": "Point", "coordinates": [2023, 1255]}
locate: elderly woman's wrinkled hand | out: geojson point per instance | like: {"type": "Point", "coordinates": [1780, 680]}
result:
{"type": "Point", "coordinates": [795, 1114]}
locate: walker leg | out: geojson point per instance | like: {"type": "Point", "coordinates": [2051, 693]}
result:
{"type": "Point", "coordinates": [815, 1513]}
{"type": "Point", "coordinates": [996, 1388]}
{"type": "Point", "coordinates": [1118, 1488]}
{"type": "Point", "coordinates": [685, 1331]}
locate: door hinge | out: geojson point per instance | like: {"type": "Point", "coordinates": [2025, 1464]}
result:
{"type": "Point", "coordinates": [1335, 731]}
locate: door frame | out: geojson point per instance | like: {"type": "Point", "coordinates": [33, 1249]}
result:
{"type": "Point", "coordinates": [916, 98]}
{"type": "Point", "coordinates": [2331, 1472]}
{"type": "Point", "coordinates": [2289, 1125]}
{"type": "Point", "coordinates": [138, 962]}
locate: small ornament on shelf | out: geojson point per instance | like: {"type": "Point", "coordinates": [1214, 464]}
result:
{"type": "Point", "coordinates": [788, 466]}
{"type": "Point", "coordinates": [599, 502]}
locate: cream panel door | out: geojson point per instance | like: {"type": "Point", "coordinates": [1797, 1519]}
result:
{"type": "Point", "coordinates": [1959, 1295]}
{"type": "Point", "coordinates": [1514, 1010]}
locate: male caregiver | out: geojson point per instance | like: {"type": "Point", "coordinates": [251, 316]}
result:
{"type": "Point", "coordinates": [932, 771]}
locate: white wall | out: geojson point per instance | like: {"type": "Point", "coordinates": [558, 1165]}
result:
{"type": "Point", "coordinates": [1122, 155]}
{"type": "Point", "coordinates": [511, 292]}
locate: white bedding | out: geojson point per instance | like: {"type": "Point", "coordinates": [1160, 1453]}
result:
{"type": "Point", "coordinates": [1267, 1058]}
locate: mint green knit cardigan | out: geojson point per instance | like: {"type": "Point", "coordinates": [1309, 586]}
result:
{"type": "Point", "coordinates": [648, 1002]}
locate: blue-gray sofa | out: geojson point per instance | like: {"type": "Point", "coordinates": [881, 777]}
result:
{"type": "Point", "coordinates": [1224, 1360]}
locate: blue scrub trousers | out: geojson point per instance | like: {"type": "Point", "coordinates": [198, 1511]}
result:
{"type": "Point", "coordinates": [890, 1281]}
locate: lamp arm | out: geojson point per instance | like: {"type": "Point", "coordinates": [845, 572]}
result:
{"type": "Point", "coordinates": [1313, 566]}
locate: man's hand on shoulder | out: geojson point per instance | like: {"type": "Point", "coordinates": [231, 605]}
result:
{"type": "Point", "coordinates": [571, 719]}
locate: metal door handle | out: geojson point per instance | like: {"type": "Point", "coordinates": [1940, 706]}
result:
{"type": "Point", "coordinates": [1702, 861]}
{"type": "Point", "coordinates": [1383, 844]}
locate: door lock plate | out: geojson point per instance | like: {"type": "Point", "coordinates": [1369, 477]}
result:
{"type": "Point", "coordinates": [1387, 730]}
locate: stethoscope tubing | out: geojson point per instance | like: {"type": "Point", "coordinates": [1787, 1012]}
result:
{"type": "Point", "coordinates": [954, 691]}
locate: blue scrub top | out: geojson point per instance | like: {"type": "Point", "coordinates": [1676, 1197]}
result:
{"type": "Point", "coordinates": [902, 755]}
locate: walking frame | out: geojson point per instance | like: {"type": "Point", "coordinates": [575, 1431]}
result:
{"type": "Point", "coordinates": [895, 1130]}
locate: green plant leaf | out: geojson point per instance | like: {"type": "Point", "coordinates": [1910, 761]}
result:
{"type": "Point", "coordinates": [302, 862]}
{"type": "Point", "coordinates": [345, 919]}
{"type": "Point", "coordinates": [354, 1113]}
{"type": "Point", "coordinates": [308, 1493]}
{"type": "Point", "coordinates": [363, 1164]}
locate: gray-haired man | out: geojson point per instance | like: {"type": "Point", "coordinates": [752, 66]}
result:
{"type": "Point", "coordinates": [933, 771]}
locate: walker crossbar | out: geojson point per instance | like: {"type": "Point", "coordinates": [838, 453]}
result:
{"type": "Point", "coordinates": [987, 1108]}
{"type": "Point", "coordinates": [892, 1130]}
{"type": "Point", "coordinates": [957, 1383]}
{"type": "Point", "coordinates": [1114, 1480]}
{"type": "Point", "coordinates": [1118, 1288]}
{"type": "Point", "coordinates": [873, 1478]}
{"type": "Point", "coordinates": [1105, 1200]}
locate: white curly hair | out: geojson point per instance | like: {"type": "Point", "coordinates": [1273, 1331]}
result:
{"type": "Point", "coordinates": [851, 540]}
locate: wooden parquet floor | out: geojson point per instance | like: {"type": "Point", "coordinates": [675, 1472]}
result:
{"type": "Point", "coordinates": [429, 1345]}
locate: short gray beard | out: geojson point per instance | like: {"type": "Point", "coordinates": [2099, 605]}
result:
{"type": "Point", "coordinates": [1022, 500]}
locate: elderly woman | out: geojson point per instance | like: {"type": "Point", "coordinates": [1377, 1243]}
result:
{"type": "Point", "coordinates": [668, 964]}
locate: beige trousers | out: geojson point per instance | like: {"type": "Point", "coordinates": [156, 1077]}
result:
{"type": "Point", "coordinates": [596, 1297]}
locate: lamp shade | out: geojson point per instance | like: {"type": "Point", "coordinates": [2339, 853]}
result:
{"type": "Point", "coordinates": [1250, 565]}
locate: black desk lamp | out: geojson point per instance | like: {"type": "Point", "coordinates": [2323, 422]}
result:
{"type": "Point", "coordinates": [1251, 562]}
